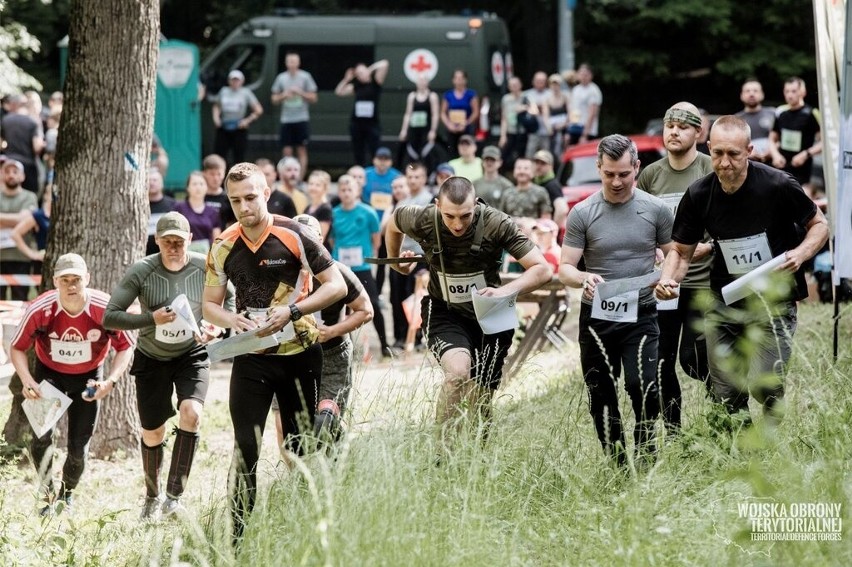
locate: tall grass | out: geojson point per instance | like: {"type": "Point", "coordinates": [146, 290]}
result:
{"type": "Point", "coordinates": [538, 491]}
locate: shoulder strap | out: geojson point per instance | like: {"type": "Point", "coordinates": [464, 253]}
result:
{"type": "Point", "coordinates": [440, 252]}
{"type": "Point", "coordinates": [479, 231]}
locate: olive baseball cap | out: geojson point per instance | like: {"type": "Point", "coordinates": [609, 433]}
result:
{"type": "Point", "coordinates": [70, 265]}
{"type": "Point", "coordinates": [173, 224]}
{"type": "Point", "coordinates": [491, 152]}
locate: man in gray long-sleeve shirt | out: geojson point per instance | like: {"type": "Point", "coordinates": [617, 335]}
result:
{"type": "Point", "coordinates": [170, 354]}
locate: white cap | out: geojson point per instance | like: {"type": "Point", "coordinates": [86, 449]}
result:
{"type": "Point", "coordinates": [70, 264]}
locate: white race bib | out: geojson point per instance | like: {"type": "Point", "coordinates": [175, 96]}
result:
{"type": "Point", "coordinates": [351, 256]}
{"type": "Point", "coordinates": [461, 286]}
{"type": "Point", "coordinates": [672, 200]}
{"type": "Point", "coordinates": [668, 304]}
{"type": "Point", "coordinates": [6, 241]}
{"type": "Point", "coordinates": [742, 255]}
{"type": "Point", "coordinates": [258, 314]}
{"type": "Point", "coordinates": [70, 352]}
{"type": "Point", "coordinates": [172, 333]}
{"type": "Point", "coordinates": [152, 223]}
{"type": "Point", "coordinates": [418, 119]}
{"type": "Point", "coordinates": [791, 140]}
{"type": "Point", "coordinates": [364, 108]}
{"type": "Point", "coordinates": [622, 308]}
{"type": "Point", "coordinates": [293, 102]}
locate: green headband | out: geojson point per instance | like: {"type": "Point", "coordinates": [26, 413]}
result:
{"type": "Point", "coordinates": [681, 115]}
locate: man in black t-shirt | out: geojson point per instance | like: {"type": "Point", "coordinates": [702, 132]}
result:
{"type": "Point", "coordinates": [795, 138]}
{"type": "Point", "coordinates": [753, 214]}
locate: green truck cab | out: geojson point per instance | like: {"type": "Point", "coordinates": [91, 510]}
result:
{"type": "Point", "coordinates": [429, 43]}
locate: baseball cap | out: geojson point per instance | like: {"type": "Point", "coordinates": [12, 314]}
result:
{"type": "Point", "coordinates": [313, 225]}
{"type": "Point", "coordinates": [445, 168]}
{"type": "Point", "coordinates": [173, 224]}
{"type": "Point", "coordinates": [383, 152]}
{"type": "Point", "coordinates": [70, 264]}
{"type": "Point", "coordinates": [466, 139]}
{"type": "Point", "coordinates": [492, 152]}
{"type": "Point", "coordinates": [236, 74]}
{"type": "Point", "coordinates": [14, 162]}
{"type": "Point", "coordinates": [543, 155]}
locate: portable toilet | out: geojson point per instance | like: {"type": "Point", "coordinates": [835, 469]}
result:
{"type": "Point", "coordinates": [177, 118]}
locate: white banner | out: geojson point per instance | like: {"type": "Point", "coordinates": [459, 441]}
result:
{"type": "Point", "coordinates": [833, 27]}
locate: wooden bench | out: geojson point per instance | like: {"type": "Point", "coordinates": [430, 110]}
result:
{"type": "Point", "coordinates": [552, 299]}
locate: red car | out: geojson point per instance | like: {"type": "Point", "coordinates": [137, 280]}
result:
{"type": "Point", "coordinates": [578, 171]}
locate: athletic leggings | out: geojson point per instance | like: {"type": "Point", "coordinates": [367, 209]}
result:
{"type": "Point", "coordinates": [255, 378]}
{"type": "Point", "coordinates": [366, 279]}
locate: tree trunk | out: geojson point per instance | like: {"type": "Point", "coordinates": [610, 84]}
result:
{"type": "Point", "coordinates": [103, 149]}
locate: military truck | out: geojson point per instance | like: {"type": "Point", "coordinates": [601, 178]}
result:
{"type": "Point", "coordinates": [430, 43]}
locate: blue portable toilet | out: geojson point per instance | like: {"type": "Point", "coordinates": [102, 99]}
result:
{"type": "Point", "coordinates": [177, 118]}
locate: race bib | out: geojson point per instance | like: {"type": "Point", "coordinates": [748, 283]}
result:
{"type": "Point", "coordinates": [258, 314]}
{"type": "Point", "coordinates": [622, 308]}
{"type": "Point", "coordinates": [672, 200]}
{"type": "Point", "coordinates": [381, 201]}
{"type": "Point", "coordinates": [461, 286]}
{"type": "Point", "coordinates": [791, 140]}
{"type": "Point", "coordinates": [152, 223]}
{"type": "Point", "coordinates": [172, 333]}
{"type": "Point", "coordinates": [351, 256]}
{"type": "Point", "coordinates": [742, 255]}
{"type": "Point", "coordinates": [457, 116]}
{"type": "Point", "coordinates": [70, 352]}
{"type": "Point", "coordinates": [293, 102]}
{"type": "Point", "coordinates": [6, 239]}
{"type": "Point", "coordinates": [364, 109]}
{"type": "Point", "coordinates": [668, 304]}
{"type": "Point", "coordinates": [418, 119]}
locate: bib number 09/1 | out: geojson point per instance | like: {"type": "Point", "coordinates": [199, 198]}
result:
{"type": "Point", "coordinates": [614, 306]}
{"type": "Point", "coordinates": [622, 308]}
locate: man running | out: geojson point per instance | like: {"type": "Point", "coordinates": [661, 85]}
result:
{"type": "Point", "coordinates": [170, 358]}
{"type": "Point", "coordinates": [270, 261]}
{"type": "Point", "coordinates": [464, 242]}
{"type": "Point", "coordinates": [71, 344]}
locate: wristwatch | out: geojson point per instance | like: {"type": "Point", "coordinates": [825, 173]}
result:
{"type": "Point", "coordinates": [295, 312]}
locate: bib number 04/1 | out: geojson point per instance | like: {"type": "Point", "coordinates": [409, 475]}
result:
{"type": "Point", "coordinates": [70, 352]}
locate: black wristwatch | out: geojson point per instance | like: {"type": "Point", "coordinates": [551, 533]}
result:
{"type": "Point", "coordinates": [295, 312]}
